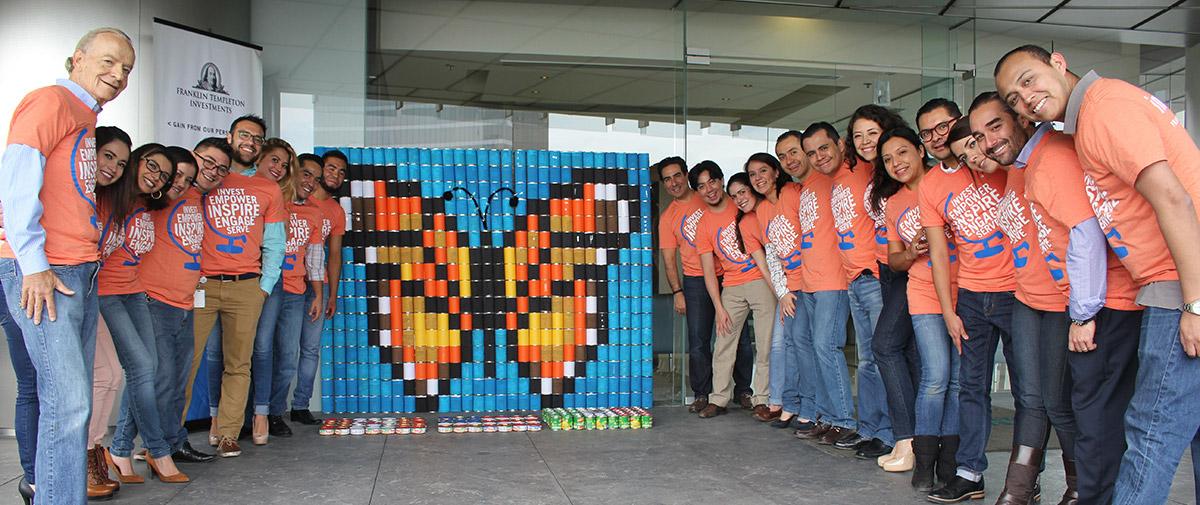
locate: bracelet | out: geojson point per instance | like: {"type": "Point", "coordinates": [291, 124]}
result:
{"type": "Point", "coordinates": [677, 291]}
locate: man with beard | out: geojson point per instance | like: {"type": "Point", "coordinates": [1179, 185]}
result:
{"type": "Point", "coordinates": [331, 170]}
{"type": "Point", "coordinates": [246, 135]}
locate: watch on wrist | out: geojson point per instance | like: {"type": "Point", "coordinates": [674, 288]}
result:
{"type": "Point", "coordinates": [1192, 307]}
{"type": "Point", "coordinates": [1083, 322]}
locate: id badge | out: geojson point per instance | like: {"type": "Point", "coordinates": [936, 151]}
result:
{"type": "Point", "coordinates": [198, 299]}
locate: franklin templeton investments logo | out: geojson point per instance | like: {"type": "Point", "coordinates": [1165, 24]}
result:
{"type": "Point", "coordinates": [209, 94]}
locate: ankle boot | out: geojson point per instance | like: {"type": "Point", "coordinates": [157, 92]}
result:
{"type": "Point", "coordinates": [1071, 495]}
{"type": "Point", "coordinates": [1021, 481]}
{"type": "Point", "coordinates": [925, 448]}
{"type": "Point", "coordinates": [96, 454]}
{"type": "Point", "coordinates": [96, 488]}
{"type": "Point", "coordinates": [947, 459]}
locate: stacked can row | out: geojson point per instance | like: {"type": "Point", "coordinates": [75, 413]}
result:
{"type": "Point", "coordinates": [372, 426]}
{"type": "Point", "coordinates": [598, 419]}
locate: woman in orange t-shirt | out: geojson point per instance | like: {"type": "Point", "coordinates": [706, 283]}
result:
{"type": "Point", "coordinates": [902, 158]}
{"type": "Point", "coordinates": [128, 234]}
{"type": "Point", "coordinates": [893, 345]}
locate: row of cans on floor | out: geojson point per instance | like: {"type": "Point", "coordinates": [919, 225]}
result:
{"type": "Point", "coordinates": [488, 424]}
{"type": "Point", "coordinates": [620, 418]}
{"type": "Point", "coordinates": [373, 426]}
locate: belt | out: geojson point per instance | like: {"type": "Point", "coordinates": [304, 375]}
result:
{"type": "Point", "coordinates": [230, 278]}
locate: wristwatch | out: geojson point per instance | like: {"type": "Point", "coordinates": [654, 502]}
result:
{"type": "Point", "coordinates": [1083, 322]}
{"type": "Point", "coordinates": [1192, 307]}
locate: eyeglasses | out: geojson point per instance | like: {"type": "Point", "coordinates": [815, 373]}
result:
{"type": "Point", "coordinates": [940, 129]}
{"type": "Point", "coordinates": [245, 135]}
{"type": "Point", "coordinates": [152, 166]}
{"type": "Point", "coordinates": [211, 164]}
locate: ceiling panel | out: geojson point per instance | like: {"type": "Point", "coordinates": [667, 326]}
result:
{"type": "Point", "coordinates": [922, 6]}
{"type": "Point", "coordinates": [1107, 18]}
{"type": "Point", "coordinates": [1002, 13]}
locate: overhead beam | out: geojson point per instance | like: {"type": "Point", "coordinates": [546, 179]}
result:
{"type": "Point", "coordinates": [946, 8]}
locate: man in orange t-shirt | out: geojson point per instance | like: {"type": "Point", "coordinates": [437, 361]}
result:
{"type": "Point", "coordinates": [856, 247]}
{"type": "Point", "coordinates": [677, 232]}
{"type": "Point", "coordinates": [48, 258]}
{"type": "Point", "coordinates": [823, 292]}
{"type": "Point", "coordinates": [1141, 169]}
{"type": "Point", "coordinates": [743, 288]}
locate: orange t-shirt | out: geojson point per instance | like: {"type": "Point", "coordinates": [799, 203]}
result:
{"type": "Point", "coordinates": [881, 227]}
{"type": "Point", "coordinates": [904, 222]}
{"type": "Point", "coordinates": [1054, 185]}
{"type": "Point", "coordinates": [718, 234]}
{"type": "Point", "coordinates": [855, 227]}
{"type": "Point", "coordinates": [333, 217]}
{"type": "Point", "coordinates": [780, 223]}
{"type": "Point", "coordinates": [1035, 286]}
{"type": "Point", "coordinates": [234, 217]}
{"type": "Point", "coordinates": [969, 203]}
{"type": "Point", "coordinates": [119, 272]}
{"type": "Point", "coordinates": [822, 269]}
{"type": "Point", "coordinates": [303, 229]}
{"type": "Point", "coordinates": [1121, 131]}
{"type": "Point", "coordinates": [677, 229]}
{"type": "Point", "coordinates": [61, 127]}
{"type": "Point", "coordinates": [171, 271]}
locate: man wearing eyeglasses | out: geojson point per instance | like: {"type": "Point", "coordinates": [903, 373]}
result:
{"type": "Point", "coordinates": [170, 274]}
{"type": "Point", "coordinates": [241, 255]}
{"type": "Point", "coordinates": [246, 135]}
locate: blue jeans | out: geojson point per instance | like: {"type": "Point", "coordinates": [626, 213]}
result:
{"type": "Point", "coordinates": [1164, 415]}
{"type": "Point", "coordinates": [779, 371]}
{"type": "Point", "coordinates": [310, 354]}
{"type": "Point", "coordinates": [276, 350]}
{"type": "Point", "coordinates": [937, 392]}
{"type": "Point", "coordinates": [866, 302]}
{"type": "Point", "coordinates": [215, 367]}
{"type": "Point", "coordinates": [1031, 329]}
{"type": "Point", "coordinates": [896, 354]}
{"type": "Point", "coordinates": [62, 351]}
{"type": "Point", "coordinates": [827, 312]}
{"type": "Point", "coordinates": [129, 321]}
{"type": "Point", "coordinates": [987, 318]}
{"type": "Point", "coordinates": [173, 339]}
{"type": "Point", "coordinates": [25, 417]}
{"type": "Point", "coordinates": [799, 391]}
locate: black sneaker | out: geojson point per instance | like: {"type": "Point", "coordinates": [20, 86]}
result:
{"type": "Point", "coordinates": [277, 428]}
{"type": "Point", "coordinates": [959, 489]}
{"type": "Point", "coordinates": [873, 449]}
{"type": "Point", "coordinates": [304, 417]}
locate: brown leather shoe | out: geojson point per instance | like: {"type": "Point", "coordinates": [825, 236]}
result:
{"type": "Point", "coordinates": [98, 471]}
{"type": "Point", "coordinates": [834, 434]}
{"type": "Point", "coordinates": [815, 433]}
{"type": "Point", "coordinates": [698, 404]}
{"type": "Point", "coordinates": [712, 410]}
{"type": "Point", "coordinates": [228, 448]}
{"type": "Point", "coordinates": [746, 400]}
{"type": "Point", "coordinates": [1020, 484]}
{"type": "Point", "coordinates": [764, 414]}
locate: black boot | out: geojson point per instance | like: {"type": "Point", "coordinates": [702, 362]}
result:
{"type": "Point", "coordinates": [1021, 480]}
{"type": "Point", "coordinates": [947, 461]}
{"type": "Point", "coordinates": [925, 448]}
{"type": "Point", "coordinates": [1071, 495]}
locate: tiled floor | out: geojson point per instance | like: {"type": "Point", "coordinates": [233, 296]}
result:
{"type": "Point", "coordinates": [730, 459]}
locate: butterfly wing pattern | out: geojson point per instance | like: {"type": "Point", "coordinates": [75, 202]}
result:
{"type": "Point", "coordinates": [486, 280]}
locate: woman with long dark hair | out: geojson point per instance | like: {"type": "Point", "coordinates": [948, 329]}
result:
{"type": "Point", "coordinates": [129, 233]}
{"type": "Point", "coordinates": [893, 345]}
{"type": "Point", "coordinates": [902, 161]}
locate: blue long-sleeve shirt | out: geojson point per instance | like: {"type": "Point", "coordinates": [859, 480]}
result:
{"type": "Point", "coordinates": [274, 241]}
{"type": "Point", "coordinates": [22, 172]}
{"type": "Point", "coordinates": [1087, 255]}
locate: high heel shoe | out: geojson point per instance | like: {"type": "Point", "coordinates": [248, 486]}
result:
{"type": "Point", "coordinates": [260, 434]}
{"type": "Point", "coordinates": [131, 478]}
{"type": "Point", "coordinates": [26, 491]}
{"type": "Point", "coordinates": [175, 478]}
{"type": "Point", "coordinates": [213, 437]}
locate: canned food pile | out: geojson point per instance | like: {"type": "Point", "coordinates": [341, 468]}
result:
{"type": "Point", "coordinates": [373, 426]}
{"type": "Point", "coordinates": [620, 418]}
{"type": "Point", "coordinates": [488, 424]}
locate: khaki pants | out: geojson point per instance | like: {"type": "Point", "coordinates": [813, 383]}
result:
{"type": "Point", "coordinates": [739, 301]}
{"type": "Point", "coordinates": [238, 303]}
